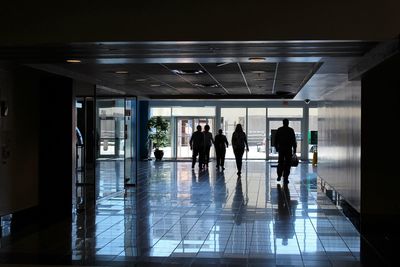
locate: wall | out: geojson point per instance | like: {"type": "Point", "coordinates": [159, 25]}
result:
{"type": "Point", "coordinates": [19, 133]}
{"type": "Point", "coordinates": [339, 141]}
{"type": "Point", "coordinates": [36, 177]}
{"type": "Point", "coordinates": [380, 205]}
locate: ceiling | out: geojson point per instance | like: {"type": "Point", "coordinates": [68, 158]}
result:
{"type": "Point", "coordinates": [195, 70]}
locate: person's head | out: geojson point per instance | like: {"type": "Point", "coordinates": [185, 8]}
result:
{"type": "Point", "coordinates": [220, 131]}
{"type": "Point", "coordinates": [207, 128]}
{"type": "Point", "coordinates": [198, 127]}
{"type": "Point", "coordinates": [239, 128]}
{"type": "Point", "coordinates": [285, 122]}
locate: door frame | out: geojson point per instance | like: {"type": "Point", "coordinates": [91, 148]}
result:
{"type": "Point", "coordinates": [175, 132]}
{"type": "Point", "coordinates": [268, 138]}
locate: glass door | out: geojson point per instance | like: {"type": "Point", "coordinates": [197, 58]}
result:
{"type": "Point", "coordinates": [110, 137]}
{"type": "Point", "coordinates": [185, 128]}
{"type": "Point", "coordinates": [274, 124]}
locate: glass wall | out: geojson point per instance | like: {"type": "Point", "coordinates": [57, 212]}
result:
{"type": "Point", "coordinates": [275, 117]}
{"type": "Point", "coordinates": [115, 144]}
{"type": "Point", "coordinates": [256, 133]}
{"type": "Point", "coordinates": [312, 131]}
{"type": "Point", "coordinates": [182, 124]}
{"type": "Point", "coordinates": [257, 122]}
{"type": "Point", "coordinates": [230, 117]}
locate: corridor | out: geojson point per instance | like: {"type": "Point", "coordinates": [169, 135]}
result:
{"type": "Point", "coordinates": [180, 217]}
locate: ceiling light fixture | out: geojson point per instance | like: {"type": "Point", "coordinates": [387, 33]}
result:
{"type": "Point", "coordinates": [155, 85]}
{"type": "Point", "coordinates": [257, 59]}
{"type": "Point", "coordinates": [73, 61]}
{"type": "Point", "coordinates": [121, 72]}
{"type": "Point", "coordinates": [208, 85]}
{"type": "Point", "coordinates": [141, 80]}
{"type": "Point", "coordinates": [188, 72]}
{"type": "Point", "coordinates": [258, 71]}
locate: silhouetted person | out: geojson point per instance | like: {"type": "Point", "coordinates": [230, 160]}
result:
{"type": "Point", "coordinates": [220, 143]}
{"type": "Point", "coordinates": [285, 140]}
{"type": "Point", "coordinates": [239, 144]}
{"type": "Point", "coordinates": [197, 146]}
{"type": "Point", "coordinates": [208, 141]}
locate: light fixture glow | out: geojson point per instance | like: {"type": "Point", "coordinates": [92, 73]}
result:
{"type": "Point", "coordinates": [257, 59]}
{"type": "Point", "coordinates": [121, 72]}
{"type": "Point", "coordinates": [73, 61]}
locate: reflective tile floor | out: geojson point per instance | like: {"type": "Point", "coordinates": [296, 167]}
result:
{"type": "Point", "coordinates": [177, 216]}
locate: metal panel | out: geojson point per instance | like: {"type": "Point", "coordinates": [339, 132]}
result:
{"type": "Point", "coordinates": [339, 149]}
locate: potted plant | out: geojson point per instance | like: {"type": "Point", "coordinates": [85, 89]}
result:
{"type": "Point", "coordinates": [158, 128]}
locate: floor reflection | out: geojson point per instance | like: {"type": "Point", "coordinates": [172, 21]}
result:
{"type": "Point", "coordinates": [177, 215]}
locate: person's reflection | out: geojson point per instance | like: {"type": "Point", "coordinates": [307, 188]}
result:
{"type": "Point", "coordinates": [201, 190]}
{"type": "Point", "coordinates": [238, 204]}
{"type": "Point", "coordinates": [285, 217]}
{"type": "Point", "coordinates": [220, 192]}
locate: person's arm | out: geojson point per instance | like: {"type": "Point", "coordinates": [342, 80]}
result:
{"type": "Point", "coordinates": [276, 142]}
{"type": "Point", "coordinates": [294, 143]}
{"type": "Point", "coordinates": [226, 141]}
{"type": "Point", "coordinates": [191, 142]}
{"type": "Point", "coordinates": [245, 141]}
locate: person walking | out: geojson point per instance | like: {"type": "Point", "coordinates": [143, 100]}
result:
{"type": "Point", "coordinates": [239, 143]}
{"type": "Point", "coordinates": [220, 143]}
{"type": "Point", "coordinates": [208, 142]}
{"type": "Point", "coordinates": [285, 141]}
{"type": "Point", "coordinates": [197, 146]}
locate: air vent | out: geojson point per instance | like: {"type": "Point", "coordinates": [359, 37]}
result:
{"type": "Point", "coordinates": [188, 72]}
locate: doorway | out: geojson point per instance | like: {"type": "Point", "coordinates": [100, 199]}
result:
{"type": "Point", "coordinates": [105, 144]}
{"type": "Point", "coordinates": [186, 126]}
{"type": "Point", "coordinates": [273, 125]}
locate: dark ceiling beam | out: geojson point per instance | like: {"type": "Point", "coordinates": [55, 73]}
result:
{"type": "Point", "coordinates": [374, 57]}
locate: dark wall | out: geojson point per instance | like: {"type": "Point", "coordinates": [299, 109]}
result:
{"type": "Point", "coordinates": [380, 205]}
{"type": "Point", "coordinates": [45, 110]}
{"type": "Point", "coordinates": [143, 116]}
{"type": "Point", "coordinates": [55, 142]}
{"type": "Point", "coordinates": [28, 21]}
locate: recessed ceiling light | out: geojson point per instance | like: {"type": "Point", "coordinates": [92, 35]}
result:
{"type": "Point", "coordinates": [187, 72]}
{"type": "Point", "coordinates": [141, 80]}
{"type": "Point", "coordinates": [260, 79]}
{"type": "Point", "coordinates": [73, 61]}
{"type": "Point", "coordinates": [121, 72]}
{"type": "Point", "coordinates": [155, 85]}
{"type": "Point", "coordinates": [257, 59]}
{"type": "Point", "coordinates": [258, 71]}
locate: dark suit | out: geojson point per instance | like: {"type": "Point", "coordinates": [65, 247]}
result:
{"type": "Point", "coordinates": [221, 143]}
{"type": "Point", "coordinates": [197, 145]}
{"type": "Point", "coordinates": [285, 140]}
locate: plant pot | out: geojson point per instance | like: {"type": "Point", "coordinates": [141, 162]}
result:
{"type": "Point", "coordinates": [158, 154]}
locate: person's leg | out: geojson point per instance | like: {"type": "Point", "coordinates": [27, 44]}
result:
{"type": "Point", "coordinates": [223, 158]}
{"type": "Point", "coordinates": [195, 152]}
{"type": "Point", "coordinates": [239, 157]}
{"type": "Point", "coordinates": [201, 158]}
{"type": "Point", "coordinates": [218, 152]}
{"type": "Point", "coordinates": [287, 165]}
{"type": "Point", "coordinates": [207, 155]}
{"type": "Point", "coordinates": [281, 162]}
